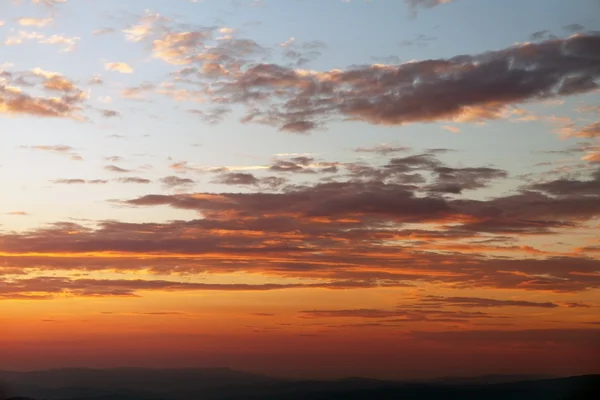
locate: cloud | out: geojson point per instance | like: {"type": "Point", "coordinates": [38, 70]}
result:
{"type": "Point", "coordinates": [144, 28]}
{"type": "Point", "coordinates": [175, 181]}
{"type": "Point", "coordinates": [298, 126]}
{"type": "Point", "coordinates": [80, 181]}
{"type": "Point", "coordinates": [134, 179]}
{"type": "Point", "coordinates": [236, 178]}
{"type": "Point", "coordinates": [69, 43]}
{"type": "Point", "coordinates": [48, 287]}
{"type": "Point", "coordinates": [178, 47]}
{"type": "Point", "coordinates": [429, 236]}
{"type": "Point", "coordinates": [456, 180]}
{"type": "Point", "coordinates": [13, 100]}
{"type": "Point", "coordinates": [395, 317]}
{"type": "Point", "coordinates": [389, 192]}
{"type": "Point", "coordinates": [248, 179]}
{"type": "Point", "coordinates": [19, 213]}
{"type": "Point", "coordinates": [588, 131]}
{"type": "Point", "coordinates": [477, 302]}
{"type": "Point", "coordinates": [574, 28]}
{"type": "Point", "coordinates": [593, 157]}
{"type": "Point", "coordinates": [213, 116]}
{"type": "Point", "coordinates": [175, 44]}
{"type": "Point", "coordinates": [49, 3]}
{"type": "Point", "coordinates": [571, 188]}
{"type": "Point", "coordinates": [103, 31]}
{"type": "Point", "coordinates": [420, 41]}
{"type": "Point", "coordinates": [57, 149]}
{"type": "Point", "coordinates": [121, 67]}
{"type": "Point", "coordinates": [272, 182]}
{"type": "Point", "coordinates": [136, 93]}
{"type": "Point", "coordinates": [291, 246]}
{"type": "Point", "coordinates": [95, 80]}
{"type": "Point", "coordinates": [416, 4]}
{"type": "Point", "coordinates": [353, 313]}
{"type": "Point", "coordinates": [114, 168]}
{"type": "Point", "coordinates": [38, 22]}
{"type": "Point", "coordinates": [452, 129]}
{"type": "Point", "coordinates": [542, 35]}
{"type": "Point", "coordinates": [110, 113]}
{"type": "Point", "coordinates": [382, 149]}
{"type": "Point", "coordinates": [290, 166]}
{"type": "Point", "coordinates": [463, 88]}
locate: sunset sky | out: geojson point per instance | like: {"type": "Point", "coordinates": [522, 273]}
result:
{"type": "Point", "coordinates": [384, 188]}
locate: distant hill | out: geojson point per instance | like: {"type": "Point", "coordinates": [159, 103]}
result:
{"type": "Point", "coordinates": [227, 384]}
{"type": "Point", "coordinates": [488, 379]}
{"type": "Point", "coordinates": [138, 383]}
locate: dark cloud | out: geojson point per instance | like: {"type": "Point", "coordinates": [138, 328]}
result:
{"type": "Point", "coordinates": [327, 199]}
{"type": "Point", "coordinates": [464, 88]}
{"type": "Point", "coordinates": [414, 4]}
{"type": "Point", "coordinates": [542, 35]}
{"type": "Point", "coordinates": [114, 168]}
{"type": "Point", "coordinates": [303, 160]}
{"type": "Point", "coordinates": [248, 179]}
{"type": "Point", "coordinates": [212, 116]}
{"type": "Point", "coordinates": [273, 182]}
{"type": "Point", "coordinates": [395, 317]}
{"type": "Point", "coordinates": [298, 126]}
{"type": "Point", "coordinates": [299, 54]}
{"type": "Point", "coordinates": [571, 187]}
{"type": "Point", "coordinates": [478, 302]}
{"type": "Point", "coordinates": [383, 149]}
{"type": "Point", "coordinates": [48, 287]}
{"type": "Point", "coordinates": [175, 181]}
{"type": "Point", "coordinates": [456, 180]}
{"type": "Point", "coordinates": [360, 217]}
{"type": "Point", "coordinates": [419, 41]}
{"type": "Point", "coordinates": [110, 113]}
{"type": "Point", "coordinates": [290, 247]}
{"type": "Point", "coordinates": [390, 193]}
{"type": "Point", "coordinates": [134, 179]}
{"type": "Point", "coordinates": [414, 163]}
{"type": "Point", "coordinates": [574, 28]}
{"type": "Point", "coordinates": [80, 181]}
{"type": "Point", "coordinates": [291, 166]}
{"type": "Point", "coordinates": [236, 178]}
{"type": "Point", "coordinates": [352, 313]}
{"type": "Point", "coordinates": [95, 80]}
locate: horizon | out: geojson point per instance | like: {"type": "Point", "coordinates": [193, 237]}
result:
{"type": "Point", "coordinates": [285, 377]}
{"type": "Point", "coordinates": [307, 188]}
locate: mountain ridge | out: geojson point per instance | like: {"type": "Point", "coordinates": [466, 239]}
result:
{"type": "Point", "coordinates": [228, 384]}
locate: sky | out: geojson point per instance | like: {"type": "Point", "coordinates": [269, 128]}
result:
{"type": "Point", "coordinates": [315, 188]}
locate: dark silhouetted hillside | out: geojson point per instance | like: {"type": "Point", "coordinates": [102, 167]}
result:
{"type": "Point", "coordinates": [226, 384]}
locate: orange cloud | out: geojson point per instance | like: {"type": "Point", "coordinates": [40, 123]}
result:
{"type": "Point", "coordinates": [121, 67]}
